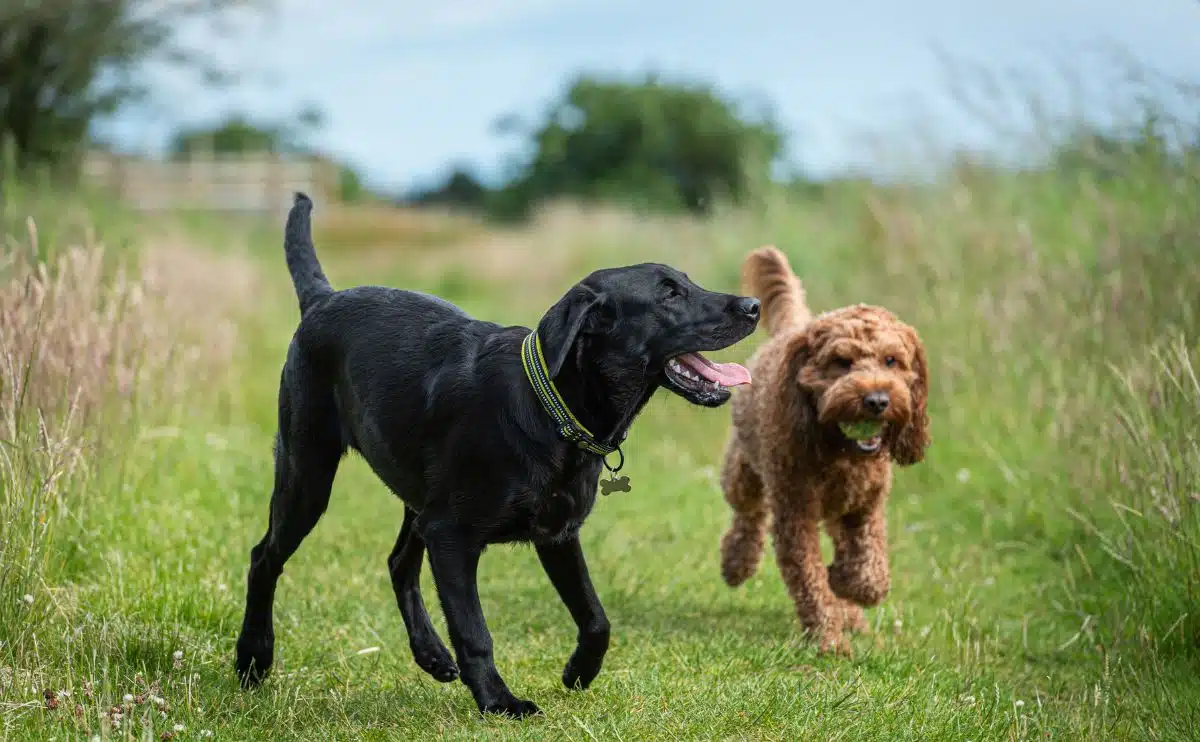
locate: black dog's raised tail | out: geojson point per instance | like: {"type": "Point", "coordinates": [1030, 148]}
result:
{"type": "Point", "coordinates": [307, 276]}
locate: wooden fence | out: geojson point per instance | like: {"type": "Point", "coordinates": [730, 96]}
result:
{"type": "Point", "coordinates": [250, 184]}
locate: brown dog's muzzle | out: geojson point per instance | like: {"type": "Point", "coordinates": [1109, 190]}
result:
{"type": "Point", "coordinates": [860, 397]}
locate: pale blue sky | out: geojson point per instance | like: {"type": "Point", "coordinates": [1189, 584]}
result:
{"type": "Point", "coordinates": [411, 88]}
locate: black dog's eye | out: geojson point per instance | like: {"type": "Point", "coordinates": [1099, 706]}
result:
{"type": "Point", "coordinates": [889, 361]}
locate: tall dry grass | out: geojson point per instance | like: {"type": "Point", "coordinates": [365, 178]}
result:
{"type": "Point", "coordinates": [89, 344]}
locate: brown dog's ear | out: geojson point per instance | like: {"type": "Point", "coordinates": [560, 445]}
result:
{"type": "Point", "coordinates": [799, 399]}
{"type": "Point", "coordinates": [911, 442]}
{"type": "Point", "coordinates": [560, 326]}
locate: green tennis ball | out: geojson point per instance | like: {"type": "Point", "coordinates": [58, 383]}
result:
{"type": "Point", "coordinates": [861, 431]}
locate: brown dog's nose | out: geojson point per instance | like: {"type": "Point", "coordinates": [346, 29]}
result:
{"type": "Point", "coordinates": [748, 306]}
{"type": "Point", "coordinates": [876, 402]}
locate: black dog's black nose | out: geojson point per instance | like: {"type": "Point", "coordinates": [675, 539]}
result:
{"type": "Point", "coordinates": [748, 306]}
{"type": "Point", "coordinates": [876, 402]}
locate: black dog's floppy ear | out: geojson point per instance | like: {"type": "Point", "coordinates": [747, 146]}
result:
{"type": "Point", "coordinates": [561, 325]}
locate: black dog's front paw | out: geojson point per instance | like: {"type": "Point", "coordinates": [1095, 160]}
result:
{"type": "Point", "coordinates": [581, 670]}
{"type": "Point", "coordinates": [513, 707]}
{"type": "Point", "coordinates": [435, 660]}
{"type": "Point", "coordinates": [254, 657]}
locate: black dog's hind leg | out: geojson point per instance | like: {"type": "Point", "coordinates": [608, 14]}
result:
{"type": "Point", "coordinates": [307, 451]}
{"type": "Point", "coordinates": [455, 564]}
{"type": "Point", "coordinates": [568, 572]}
{"type": "Point", "coordinates": [404, 565]}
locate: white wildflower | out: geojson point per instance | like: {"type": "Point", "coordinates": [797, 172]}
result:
{"type": "Point", "coordinates": [177, 655]}
{"type": "Point", "coordinates": [127, 698]}
{"type": "Point", "coordinates": [27, 598]}
{"type": "Point", "coordinates": [179, 728]}
{"type": "Point", "coordinates": [963, 476]}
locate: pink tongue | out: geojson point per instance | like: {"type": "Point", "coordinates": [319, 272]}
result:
{"type": "Point", "coordinates": [725, 374]}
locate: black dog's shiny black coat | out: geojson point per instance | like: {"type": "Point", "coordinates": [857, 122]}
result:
{"type": "Point", "coordinates": [439, 406]}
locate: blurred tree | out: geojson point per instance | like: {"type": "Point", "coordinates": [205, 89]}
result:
{"type": "Point", "coordinates": [653, 142]}
{"type": "Point", "coordinates": [65, 63]}
{"type": "Point", "coordinates": [461, 190]}
{"type": "Point", "coordinates": [238, 134]}
{"type": "Point", "coordinates": [351, 188]}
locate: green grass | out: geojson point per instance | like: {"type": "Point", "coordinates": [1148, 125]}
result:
{"type": "Point", "coordinates": [1027, 601]}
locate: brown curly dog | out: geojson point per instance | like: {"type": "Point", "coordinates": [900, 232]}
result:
{"type": "Point", "coordinates": [835, 399]}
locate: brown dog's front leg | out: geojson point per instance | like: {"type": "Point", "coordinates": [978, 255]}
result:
{"type": "Point", "coordinates": [454, 561]}
{"type": "Point", "coordinates": [860, 571]}
{"type": "Point", "coordinates": [798, 552]}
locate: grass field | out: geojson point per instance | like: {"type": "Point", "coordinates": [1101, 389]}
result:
{"type": "Point", "coordinates": [1046, 556]}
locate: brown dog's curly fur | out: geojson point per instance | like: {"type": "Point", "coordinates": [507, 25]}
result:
{"type": "Point", "coordinates": [789, 467]}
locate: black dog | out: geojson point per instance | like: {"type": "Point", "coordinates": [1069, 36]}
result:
{"type": "Point", "coordinates": [443, 410]}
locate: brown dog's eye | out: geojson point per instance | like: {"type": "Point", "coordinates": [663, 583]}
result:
{"type": "Point", "coordinates": [889, 361]}
{"type": "Point", "coordinates": [845, 363]}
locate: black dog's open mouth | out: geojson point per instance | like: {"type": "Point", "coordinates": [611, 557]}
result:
{"type": "Point", "coordinates": [702, 382]}
{"type": "Point", "coordinates": [867, 436]}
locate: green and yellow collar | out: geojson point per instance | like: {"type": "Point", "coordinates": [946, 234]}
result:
{"type": "Point", "coordinates": [569, 427]}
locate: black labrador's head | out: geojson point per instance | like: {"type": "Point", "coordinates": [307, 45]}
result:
{"type": "Point", "coordinates": [620, 333]}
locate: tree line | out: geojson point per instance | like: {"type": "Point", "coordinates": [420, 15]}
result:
{"type": "Point", "coordinates": [67, 64]}
{"type": "Point", "coordinates": [648, 141]}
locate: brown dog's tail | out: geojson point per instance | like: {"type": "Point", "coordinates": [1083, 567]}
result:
{"type": "Point", "coordinates": [767, 275]}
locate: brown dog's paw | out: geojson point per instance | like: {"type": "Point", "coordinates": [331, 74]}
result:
{"type": "Point", "coordinates": [835, 643]}
{"type": "Point", "coordinates": [740, 557]}
{"type": "Point", "coordinates": [853, 618]}
{"type": "Point", "coordinates": [862, 583]}
{"type": "Point", "coordinates": [826, 633]}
